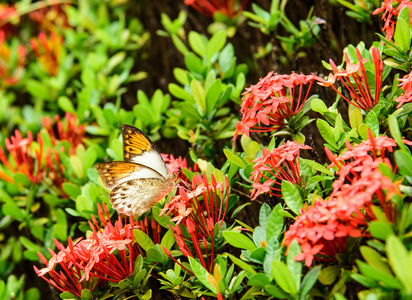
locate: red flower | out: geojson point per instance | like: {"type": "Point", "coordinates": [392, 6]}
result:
{"type": "Point", "coordinates": [48, 51]}
{"type": "Point", "coordinates": [6, 13]}
{"type": "Point", "coordinates": [229, 8]}
{"type": "Point", "coordinates": [51, 16]}
{"type": "Point", "coordinates": [108, 254]}
{"type": "Point", "coordinates": [273, 101]}
{"type": "Point", "coordinates": [323, 230]}
{"type": "Point", "coordinates": [392, 9]}
{"type": "Point", "coordinates": [360, 163]}
{"type": "Point", "coordinates": [273, 167]}
{"type": "Point", "coordinates": [71, 131]}
{"type": "Point", "coordinates": [355, 80]}
{"type": "Point", "coordinates": [406, 86]}
{"type": "Point", "coordinates": [199, 212]}
{"type": "Point", "coordinates": [26, 159]}
{"type": "Point", "coordinates": [11, 66]}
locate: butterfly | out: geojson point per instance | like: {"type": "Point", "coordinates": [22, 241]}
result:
{"type": "Point", "coordinates": [141, 180]}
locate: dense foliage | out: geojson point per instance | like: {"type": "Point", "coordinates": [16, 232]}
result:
{"type": "Point", "coordinates": [289, 133]}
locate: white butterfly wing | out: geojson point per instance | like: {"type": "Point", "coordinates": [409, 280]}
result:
{"type": "Point", "coordinates": [137, 196]}
{"type": "Point", "coordinates": [139, 149]}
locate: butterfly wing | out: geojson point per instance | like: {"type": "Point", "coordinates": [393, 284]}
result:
{"type": "Point", "coordinates": [116, 172]}
{"type": "Point", "coordinates": [135, 197]}
{"type": "Point", "coordinates": [139, 149]}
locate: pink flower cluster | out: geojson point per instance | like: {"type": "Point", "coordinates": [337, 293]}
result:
{"type": "Point", "coordinates": [273, 167]}
{"type": "Point", "coordinates": [325, 228]}
{"type": "Point", "coordinates": [269, 104]}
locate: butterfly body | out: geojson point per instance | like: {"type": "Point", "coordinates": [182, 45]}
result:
{"type": "Point", "coordinates": [141, 180]}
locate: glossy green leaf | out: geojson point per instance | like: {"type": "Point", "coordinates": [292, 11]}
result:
{"type": "Point", "coordinates": [216, 43]}
{"type": "Point", "coordinates": [196, 42]}
{"type": "Point", "coordinates": [283, 277]}
{"type": "Point", "coordinates": [238, 240]}
{"type": "Point", "coordinates": [264, 214]}
{"type": "Point", "coordinates": [274, 223]}
{"type": "Point", "coordinates": [326, 132]}
{"type": "Point", "coordinates": [309, 281]}
{"type": "Point", "coordinates": [234, 158]}
{"type": "Point", "coordinates": [143, 239]}
{"type": "Point", "coordinates": [397, 254]}
{"type": "Point", "coordinates": [317, 166]}
{"type": "Point", "coordinates": [201, 274]}
{"type": "Point", "coordinates": [292, 197]}
{"type": "Point", "coordinates": [198, 94]}
{"type": "Point", "coordinates": [243, 265]}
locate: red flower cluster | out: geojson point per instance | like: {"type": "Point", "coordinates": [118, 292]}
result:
{"type": "Point", "coordinates": [27, 155]}
{"type": "Point", "coordinates": [26, 159]}
{"type": "Point", "coordinates": [273, 167]}
{"type": "Point", "coordinates": [392, 8]}
{"type": "Point", "coordinates": [269, 105]}
{"type": "Point", "coordinates": [71, 131]}
{"type": "Point", "coordinates": [108, 254]}
{"type": "Point", "coordinates": [11, 66]}
{"type": "Point", "coordinates": [198, 212]}
{"type": "Point", "coordinates": [50, 16]}
{"type": "Point", "coordinates": [324, 229]}
{"type": "Point", "coordinates": [48, 51]}
{"type": "Point", "coordinates": [406, 86]}
{"type": "Point", "coordinates": [355, 80]}
{"type": "Point", "coordinates": [6, 12]}
{"type": "Point", "coordinates": [230, 8]}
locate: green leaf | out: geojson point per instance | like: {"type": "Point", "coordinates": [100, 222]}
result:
{"type": "Point", "coordinates": [65, 104]}
{"type": "Point", "coordinates": [264, 214]}
{"type": "Point", "coordinates": [283, 277]}
{"type": "Point", "coordinates": [216, 43]}
{"type": "Point", "coordinates": [319, 106]}
{"type": "Point", "coordinates": [168, 240]}
{"type": "Point", "coordinates": [72, 190]}
{"type": "Point", "coordinates": [317, 166]}
{"type": "Point", "coordinates": [355, 119]}
{"type": "Point", "coordinates": [295, 267]}
{"type": "Point", "coordinates": [234, 158]}
{"type": "Point", "coordinates": [238, 240]}
{"type": "Point", "coordinates": [12, 210]}
{"type": "Point", "coordinates": [378, 275]}
{"type": "Point", "coordinates": [201, 274]}
{"type": "Point", "coordinates": [380, 230]}
{"type": "Point", "coordinates": [402, 34]}
{"type": "Point", "coordinates": [326, 132]}
{"type": "Point", "coordinates": [77, 166]}
{"type": "Point", "coordinates": [397, 254]}
{"type": "Point", "coordinates": [212, 96]}
{"type": "Point", "coordinates": [374, 259]}
{"type": "Point", "coordinates": [38, 89]}
{"type": "Point", "coordinates": [404, 162]}
{"type": "Point", "coordinates": [196, 42]}
{"type": "Point", "coordinates": [292, 197]}
{"type": "Point", "coordinates": [373, 123]}
{"type": "Point", "coordinates": [243, 265]}
{"type": "Point", "coordinates": [198, 94]}
{"type": "Point", "coordinates": [142, 239]}
{"type": "Point", "coordinates": [275, 223]}
{"type": "Point", "coordinates": [309, 281]}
